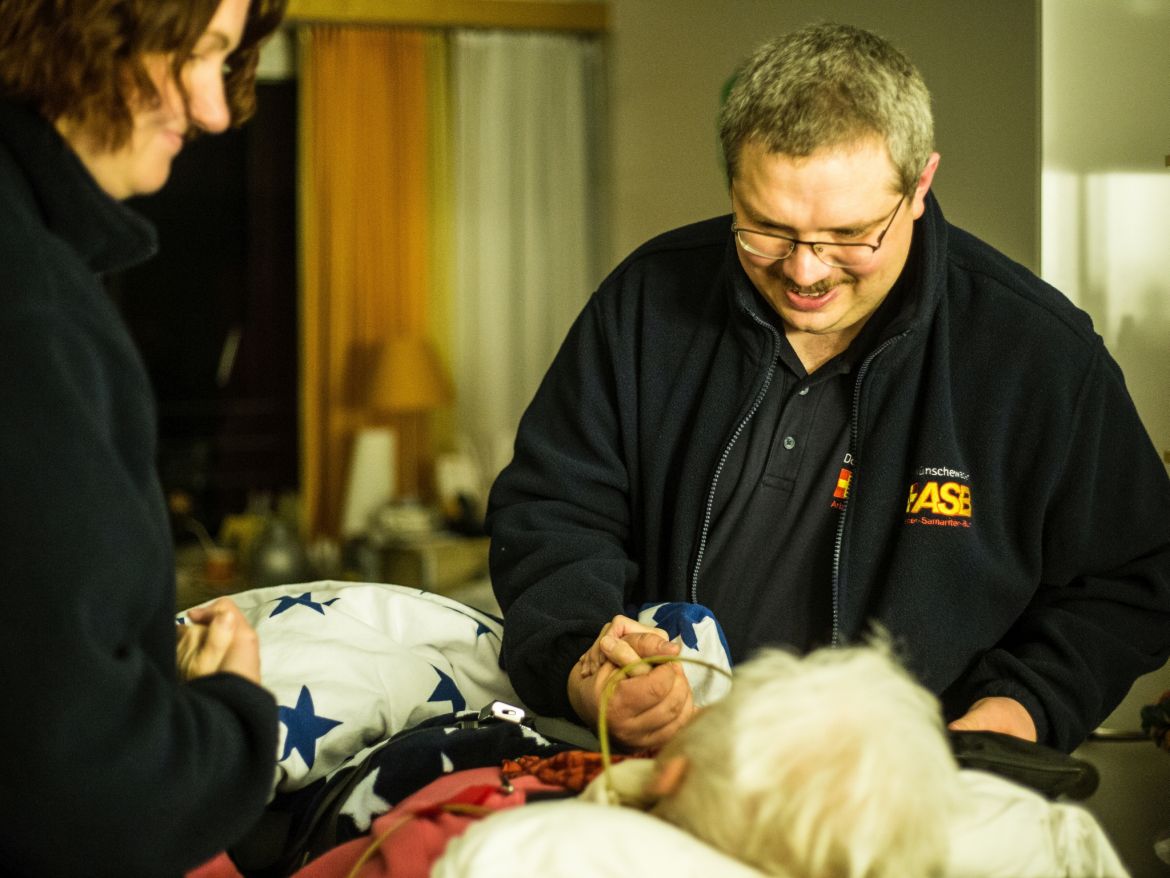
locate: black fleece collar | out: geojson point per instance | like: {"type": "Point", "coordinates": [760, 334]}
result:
{"type": "Point", "coordinates": [106, 234]}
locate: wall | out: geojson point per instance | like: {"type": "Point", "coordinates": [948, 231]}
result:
{"type": "Point", "coordinates": [1105, 215]}
{"type": "Point", "coordinates": [670, 59]}
{"type": "Point", "coordinates": [1106, 184]}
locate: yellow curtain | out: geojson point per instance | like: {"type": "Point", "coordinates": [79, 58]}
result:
{"type": "Point", "coordinates": [367, 230]}
{"type": "Point", "coordinates": [442, 221]}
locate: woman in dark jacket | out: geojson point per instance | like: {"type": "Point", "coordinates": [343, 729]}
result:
{"type": "Point", "coordinates": [121, 759]}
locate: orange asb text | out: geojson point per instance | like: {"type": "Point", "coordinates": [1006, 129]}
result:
{"type": "Point", "coordinates": [940, 498]}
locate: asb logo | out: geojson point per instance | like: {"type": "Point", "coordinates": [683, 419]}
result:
{"type": "Point", "coordinates": [941, 502]}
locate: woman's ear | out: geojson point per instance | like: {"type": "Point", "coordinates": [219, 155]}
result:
{"type": "Point", "coordinates": [668, 777]}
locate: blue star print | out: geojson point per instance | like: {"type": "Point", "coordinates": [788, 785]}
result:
{"type": "Point", "coordinates": [305, 728]}
{"type": "Point", "coordinates": [679, 620]}
{"type": "Point", "coordinates": [447, 691]}
{"type": "Point", "coordinates": [481, 627]}
{"type": "Point", "coordinates": [306, 600]}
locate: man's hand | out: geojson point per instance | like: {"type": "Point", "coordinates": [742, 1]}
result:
{"type": "Point", "coordinates": [997, 714]}
{"type": "Point", "coordinates": [618, 628]}
{"type": "Point", "coordinates": [647, 708]}
{"type": "Point", "coordinates": [217, 638]}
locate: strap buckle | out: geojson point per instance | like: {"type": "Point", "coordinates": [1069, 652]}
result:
{"type": "Point", "coordinates": [496, 711]}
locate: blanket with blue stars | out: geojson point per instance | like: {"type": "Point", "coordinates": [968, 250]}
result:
{"type": "Point", "coordinates": [352, 664]}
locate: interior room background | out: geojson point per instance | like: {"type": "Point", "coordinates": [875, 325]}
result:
{"type": "Point", "coordinates": [467, 172]}
{"type": "Point", "coordinates": [473, 184]}
{"type": "Point", "coordinates": [424, 181]}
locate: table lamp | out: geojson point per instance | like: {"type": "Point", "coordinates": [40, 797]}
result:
{"type": "Point", "coordinates": [409, 382]}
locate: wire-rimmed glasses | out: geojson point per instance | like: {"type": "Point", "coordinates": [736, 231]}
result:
{"type": "Point", "coordinates": [776, 247]}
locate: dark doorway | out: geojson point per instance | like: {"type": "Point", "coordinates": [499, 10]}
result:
{"type": "Point", "coordinates": [215, 312]}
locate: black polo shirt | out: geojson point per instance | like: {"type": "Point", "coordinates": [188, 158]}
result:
{"type": "Point", "coordinates": [767, 566]}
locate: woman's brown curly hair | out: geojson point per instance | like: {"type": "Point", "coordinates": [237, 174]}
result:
{"type": "Point", "coordinates": [83, 59]}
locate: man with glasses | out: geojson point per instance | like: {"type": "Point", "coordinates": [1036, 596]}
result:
{"type": "Point", "coordinates": [830, 409]}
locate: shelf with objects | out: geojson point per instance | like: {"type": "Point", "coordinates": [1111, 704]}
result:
{"type": "Point", "coordinates": [408, 519]}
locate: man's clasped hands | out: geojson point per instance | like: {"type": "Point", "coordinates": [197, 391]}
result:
{"type": "Point", "coordinates": [651, 704]}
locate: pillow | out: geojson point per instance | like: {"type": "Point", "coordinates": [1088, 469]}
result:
{"type": "Point", "coordinates": [571, 838]}
{"type": "Point", "coordinates": [1005, 830]}
{"type": "Point", "coordinates": [1002, 830]}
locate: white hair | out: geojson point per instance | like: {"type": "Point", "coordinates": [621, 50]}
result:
{"type": "Point", "coordinates": [834, 765]}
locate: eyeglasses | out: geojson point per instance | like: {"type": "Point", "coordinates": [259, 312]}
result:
{"type": "Point", "coordinates": [769, 245]}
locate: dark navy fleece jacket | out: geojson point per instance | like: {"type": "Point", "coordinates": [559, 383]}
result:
{"type": "Point", "coordinates": [1008, 519]}
{"type": "Point", "coordinates": [112, 767]}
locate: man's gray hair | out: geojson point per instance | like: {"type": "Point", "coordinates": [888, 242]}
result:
{"type": "Point", "coordinates": [829, 85]}
{"type": "Point", "coordinates": [835, 764]}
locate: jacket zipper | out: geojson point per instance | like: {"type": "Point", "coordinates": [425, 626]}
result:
{"type": "Point", "coordinates": [836, 639]}
{"type": "Point", "coordinates": [727, 451]}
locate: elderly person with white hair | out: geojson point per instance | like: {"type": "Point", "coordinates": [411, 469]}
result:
{"type": "Point", "coordinates": [831, 765]}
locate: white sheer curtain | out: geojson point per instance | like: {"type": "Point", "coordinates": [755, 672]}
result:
{"type": "Point", "coordinates": [528, 141]}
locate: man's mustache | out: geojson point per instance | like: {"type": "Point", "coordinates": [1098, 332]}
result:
{"type": "Point", "coordinates": [821, 286]}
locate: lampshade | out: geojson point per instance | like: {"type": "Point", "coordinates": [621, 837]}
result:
{"type": "Point", "coordinates": [408, 377]}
